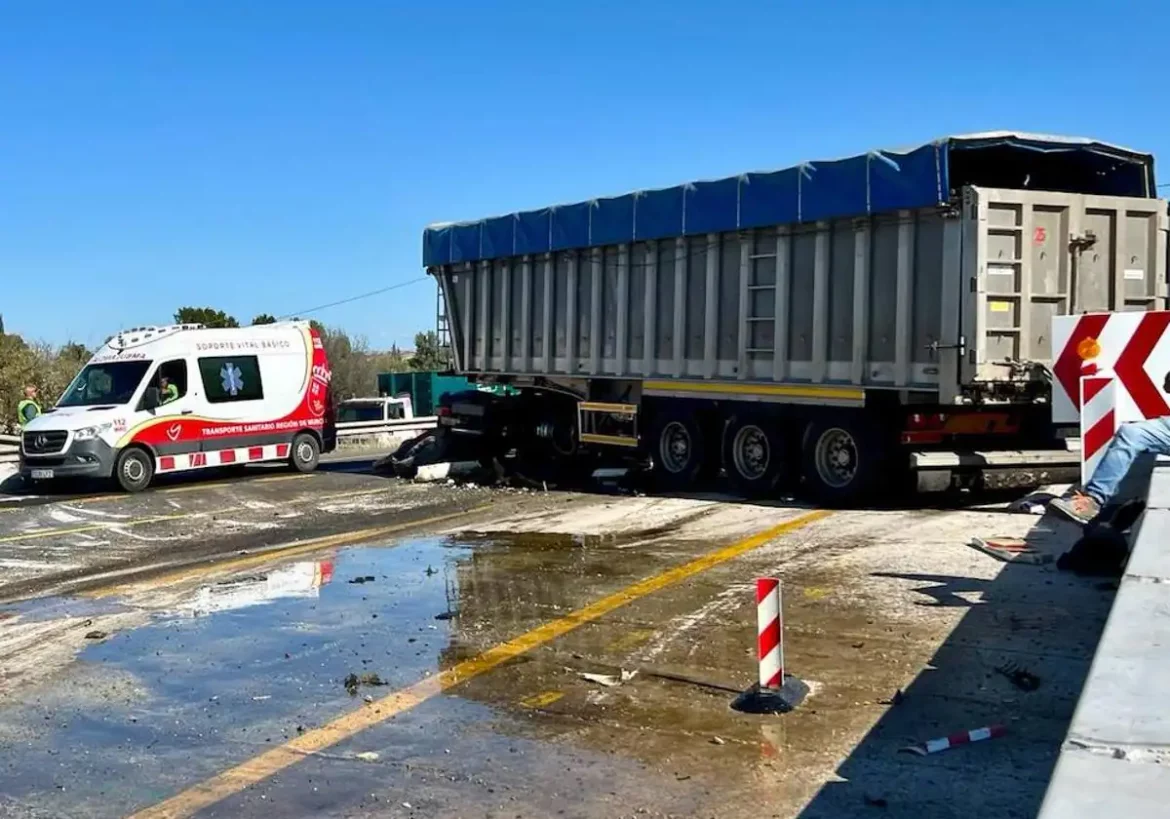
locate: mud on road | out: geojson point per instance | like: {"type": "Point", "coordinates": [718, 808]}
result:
{"type": "Point", "coordinates": [220, 688]}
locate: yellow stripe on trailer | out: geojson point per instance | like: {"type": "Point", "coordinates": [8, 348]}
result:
{"type": "Point", "coordinates": [780, 391]}
{"type": "Point", "coordinates": [599, 406]}
{"type": "Point", "coordinates": [609, 440]}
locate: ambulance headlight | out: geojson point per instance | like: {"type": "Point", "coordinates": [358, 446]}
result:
{"type": "Point", "coordinates": [89, 433]}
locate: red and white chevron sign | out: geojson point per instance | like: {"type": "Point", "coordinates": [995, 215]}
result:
{"type": "Point", "coordinates": [1132, 347]}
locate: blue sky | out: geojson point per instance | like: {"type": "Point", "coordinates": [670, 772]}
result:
{"type": "Point", "coordinates": [269, 157]}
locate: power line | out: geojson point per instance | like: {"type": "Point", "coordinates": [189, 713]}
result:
{"type": "Point", "coordinates": [359, 297]}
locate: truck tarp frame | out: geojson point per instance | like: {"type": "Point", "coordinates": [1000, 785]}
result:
{"type": "Point", "coordinates": [873, 182]}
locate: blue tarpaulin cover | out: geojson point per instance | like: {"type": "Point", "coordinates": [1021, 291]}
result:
{"type": "Point", "coordinates": [856, 186]}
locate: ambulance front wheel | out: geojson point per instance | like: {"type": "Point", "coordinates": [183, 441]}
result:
{"type": "Point", "coordinates": [134, 470]}
{"type": "Point", "coordinates": [306, 453]}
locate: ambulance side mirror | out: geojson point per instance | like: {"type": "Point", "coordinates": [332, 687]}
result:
{"type": "Point", "coordinates": [151, 399]}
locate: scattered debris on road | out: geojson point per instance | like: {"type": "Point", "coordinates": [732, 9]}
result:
{"type": "Point", "coordinates": [934, 746]}
{"type": "Point", "coordinates": [610, 680]}
{"type": "Point", "coordinates": [718, 741]}
{"type": "Point", "coordinates": [96, 634]}
{"type": "Point", "coordinates": [689, 680]}
{"type": "Point", "coordinates": [367, 756]}
{"type": "Point", "coordinates": [875, 801]}
{"type": "Point", "coordinates": [1036, 503]}
{"type": "Point", "coordinates": [1011, 550]}
{"type": "Point", "coordinates": [1021, 678]}
{"type": "Point", "coordinates": [355, 681]}
{"type": "Point", "coordinates": [369, 578]}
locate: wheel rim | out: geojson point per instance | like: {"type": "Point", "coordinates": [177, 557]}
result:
{"type": "Point", "coordinates": [133, 470]}
{"type": "Point", "coordinates": [836, 458]}
{"type": "Point", "coordinates": [674, 447]}
{"type": "Point", "coordinates": [305, 452]}
{"type": "Point", "coordinates": [751, 452]}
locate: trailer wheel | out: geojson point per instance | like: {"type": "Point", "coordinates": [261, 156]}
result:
{"type": "Point", "coordinates": [842, 459]}
{"type": "Point", "coordinates": [134, 470]}
{"type": "Point", "coordinates": [754, 455]}
{"type": "Point", "coordinates": [678, 450]}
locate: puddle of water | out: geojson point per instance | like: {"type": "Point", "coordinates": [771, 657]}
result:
{"type": "Point", "coordinates": [240, 664]}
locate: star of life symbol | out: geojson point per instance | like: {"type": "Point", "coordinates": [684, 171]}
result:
{"type": "Point", "coordinates": [231, 378]}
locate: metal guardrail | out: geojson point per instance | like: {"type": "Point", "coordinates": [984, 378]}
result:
{"type": "Point", "coordinates": [10, 444]}
{"type": "Point", "coordinates": [9, 449]}
{"type": "Point", "coordinates": [408, 426]}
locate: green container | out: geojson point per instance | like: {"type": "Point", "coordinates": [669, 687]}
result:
{"type": "Point", "coordinates": [424, 388]}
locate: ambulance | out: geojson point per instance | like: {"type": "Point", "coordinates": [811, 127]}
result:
{"type": "Point", "coordinates": [178, 398]}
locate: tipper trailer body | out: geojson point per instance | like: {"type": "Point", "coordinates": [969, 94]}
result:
{"type": "Point", "coordinates": [836, 322]}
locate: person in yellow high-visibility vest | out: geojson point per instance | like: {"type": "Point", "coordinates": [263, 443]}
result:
{"type": "Point", "coordinates": [168, 390]}
{"type": "Point", "coordinates": [28, 409]}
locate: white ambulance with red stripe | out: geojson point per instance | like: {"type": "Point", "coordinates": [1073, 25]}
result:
{"type": "Point", "coordinates": [157, 400]}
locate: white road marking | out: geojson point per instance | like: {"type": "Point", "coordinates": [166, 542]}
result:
{"type": "Point", "coordinates": [95, 512]}
{"type": "Point", "coordinates": [16, 563]}
{"type": "Point", "coordinates": [61, 516]}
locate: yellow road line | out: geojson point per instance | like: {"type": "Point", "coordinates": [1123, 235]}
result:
{"type": "Point", "coordinates": [262, 766]}
{"type": "Point", "coordinates": [278, 478]}
{"type": "Point", "coordinates": [277, 553]}
{"type": "Point", "coordinates": [542, 699]}
{"type": "Point", "coordinates": [95, 527]}
{"type": "Point", "coordinates": [117, 524]}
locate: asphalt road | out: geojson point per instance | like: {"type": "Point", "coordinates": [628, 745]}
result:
{"type": "Point", "coordinates": [188, 650]}
{"type": "Point", "coordinates": [69, 541]}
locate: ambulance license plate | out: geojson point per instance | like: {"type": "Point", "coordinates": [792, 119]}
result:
{"type": "Point", "coordinates": [42, 474]}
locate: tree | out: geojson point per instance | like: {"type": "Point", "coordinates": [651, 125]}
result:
{"type": "Point", "coordinates": [264, 318]}
{"type": "Point", "coordinates": [354, 374]}
{"type": "Point", "coordinates": [207, 316]}
{"type": "Point", "coordinates": [390, 361]}
{"type": "Point", "coordinates": [428, 355]}
{"type": "Point", "coordinates": [48, 368]}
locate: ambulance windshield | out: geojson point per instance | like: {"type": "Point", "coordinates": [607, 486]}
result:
{"type": "Point", "coordinates": [112, 382]}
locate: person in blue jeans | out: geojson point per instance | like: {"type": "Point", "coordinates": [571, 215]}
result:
{"type": "Point", "coordinates": [1130, 442]}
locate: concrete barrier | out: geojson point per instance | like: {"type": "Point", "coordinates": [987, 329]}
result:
{"type": "Point", "coordinates": [1114, 758]}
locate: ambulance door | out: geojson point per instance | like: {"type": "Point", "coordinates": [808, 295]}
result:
{"type": "Point", "coordinates": [171, 380]}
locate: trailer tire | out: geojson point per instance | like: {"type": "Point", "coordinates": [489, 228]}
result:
{"type": "Point", "coordinates": [754, 455]}
{"type": "Point", "coordinates": [843, 459]}
{"type": "Point", "coordinates": [134, 470]}
{"type": "Point", "coordinates": [678, 450]}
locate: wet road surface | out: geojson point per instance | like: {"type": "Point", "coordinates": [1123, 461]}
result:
{"type": "Point", "coordinates": [54, 543]}
{"type": "Point", "coordinates": [220, 691]}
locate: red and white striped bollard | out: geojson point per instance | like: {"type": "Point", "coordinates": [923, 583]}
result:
{"type": "Point", "coordinates": [770, 632]}
{"type": "Point", "coordinates": [1098, 420]}
{"type": "Point", "coordinates": [775, 692]}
